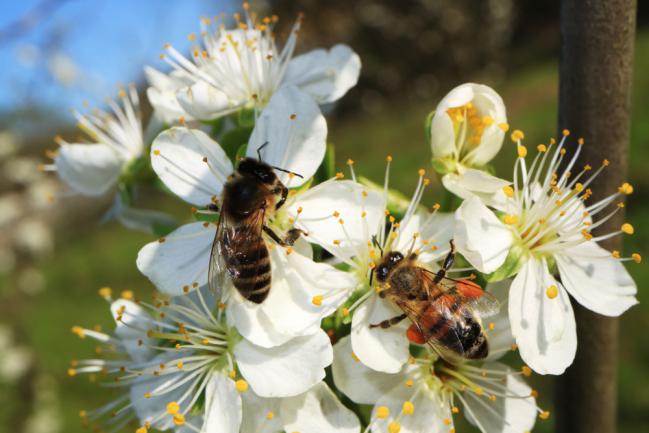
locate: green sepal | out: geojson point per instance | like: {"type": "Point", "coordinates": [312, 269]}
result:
{"type": "Point", "coordinates": [246, 118]}
{"type": "Point", "coordinates": [160, 229]}
{"type": "Point", "coordinates": [428, 125]}
{"type": "Point", "coordinates": [444, 165]}
{"type": "Point", "coordinates": [207, 217]}
{"type": "Point", "coordinates": [512, 264]}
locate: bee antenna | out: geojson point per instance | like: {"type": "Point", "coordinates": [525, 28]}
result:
{"type": "Point", "coordinates": [260, 148]}
{"type": "Point", "coordinates": [288, 171]}
{"type": "Point", "coordinates": [371, 276]}
{"type": "Point", "coordinates": [376, 244]}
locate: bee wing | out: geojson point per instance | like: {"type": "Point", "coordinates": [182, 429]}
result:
{"type": "Point", "coordinates": [448, 345]}
{"type": "Point", "coordinates": [218, 271]}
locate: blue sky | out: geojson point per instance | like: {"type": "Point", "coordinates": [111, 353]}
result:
{"type": "Point", "coordinates": [107, 41]}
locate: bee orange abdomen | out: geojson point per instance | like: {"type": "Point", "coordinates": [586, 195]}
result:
{"type": "Point", "coordinates": [414, 335]}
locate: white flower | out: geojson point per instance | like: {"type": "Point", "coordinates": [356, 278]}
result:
{"type": "Point", "coordinates": [466, 132]}
{"type": "Point", "coordinates": [544, 230]}
{"type": "Point", "coordinates": [243, 67]}
{"type": "Point", "coordinates": [195, 167]}
{"type": "Point", "coordinates": [91, 169]}
{"type": "Point", "coordinates": [198, 357]}
{"type": "Point", "coordinates": [423, 395]}
{"type": "Point", "coordinates": [346, 221]}
{"type": "Point", "coordinates": [162, 94]}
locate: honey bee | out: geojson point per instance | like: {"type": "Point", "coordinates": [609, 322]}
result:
{"type": "Point", "coordinates": [445, 313]}
{"type": "Point", "coordinates": [239, 250]}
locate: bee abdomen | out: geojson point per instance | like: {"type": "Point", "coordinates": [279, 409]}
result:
{"type": "Point", "coordinates": [250, 269]}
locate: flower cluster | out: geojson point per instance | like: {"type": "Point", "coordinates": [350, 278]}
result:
{"type": "Point", "coordinates": [294, 285]}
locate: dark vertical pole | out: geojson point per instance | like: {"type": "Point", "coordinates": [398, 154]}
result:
{"type": "Point", "coordinates": [595, 89]}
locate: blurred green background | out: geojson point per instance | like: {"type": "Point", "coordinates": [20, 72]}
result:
{"type": "Point", "coordinates": [49, 283]}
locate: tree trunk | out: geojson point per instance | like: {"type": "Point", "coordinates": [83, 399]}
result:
{"type": "Point", "coordinates": [594, 90]}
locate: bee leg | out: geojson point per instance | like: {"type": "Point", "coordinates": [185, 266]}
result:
{"type": "Point", "coordinates": [288, 240]}
{"type": "Point", "coordinates": [284, 192]}
{"type": "Point", "coordinates": [448, 264]}
{"type": "Point", "coordinates": [388, 322]}
{"type": "Point", "coordinates": [212, 207]}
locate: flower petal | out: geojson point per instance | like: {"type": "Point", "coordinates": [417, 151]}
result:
{"type": "Point", "coordinates": [500, 337]}
{"type": "Point", "coordinates": [442, 135]}
{"type": "Point", "coordinates": [260, 415]}
{"type": "Point", "coordinates": [348, 200]}
{"type": "Point", "coordinates": [177, 156]}
{"type": "Point", "coordinates": [222, 405]}
{"type": "Point", "coordinates": [477, 183]}
{"type": "Point", "coordinates": [436, 229]}
{"type": "Point", "coordinates": [544, 328]}
{"type": "Point", "coordinates": [481, 238]}
{"type": "Point", "coordinates": [357, 381]}
{"type": "Point", "coordinates": [431, 414]}
{"type": "Point", "coordinates": [326, 75]}
{"type": "Point", "coordinates": [381, 349]}
{"type": "Point", "coordinates": [162, 94]}
{"type": "Point", "coordinates": [179, 262]}
{"type": "Point", "coordinates": [89, 169]}
{"type": "Point", "coordinates": [318, 411]}
{"type": "Point", "coordinates": [596, 279]}
{"type": "Point", "coordinates": [145, 220]}
{"type": "Point", "coordinates": [286, 370]}
{"type": "Point", "coordinates": [132, 329]}
{"type": "Point", "coordinates": [488, 103]}
{"type": "Point", "coordinates": [205, 102]}
{"type": "Point", "coordinates": [296, 133]}
{"type": "Point", "coordinates": [502, 415]}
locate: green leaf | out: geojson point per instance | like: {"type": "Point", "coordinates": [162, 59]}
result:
{"type": "Point", "coordinates": [246, 118]}
{"type": "Point", "coordinates": [327, 169]}
{"type": "Point", "coordinates": [232, 140]}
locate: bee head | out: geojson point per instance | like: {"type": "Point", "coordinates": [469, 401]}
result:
{"type": "Point", "coordinates": [250, 167]}
{"type": "Point", "coordinates": [389, 261]}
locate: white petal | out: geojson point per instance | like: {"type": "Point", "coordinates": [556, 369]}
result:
{"type": "Point", "coordinates": [89, 169]}
{"type": "Point", "coordinates": [544, 328]}
{"type": "Point", "coordinates": [260, 415]}
{"type": "Point", "coordinates": [428, 416]}
{"type": "Point", "coordinates": [178, 262]}
{"type": "Point", "coordinates": [381, 349]}
{"type": "Point", "coordinates": [437, 229]}
{"type": "Point", "coordinates": [318, 411]}
{"type": "Point", "coordinates": [285, 370]}
{"type": "Point", "coordinates": [296, 280]}
{"type": "Point", "coordinates": [177, 157]}
{"type": "Point", "coordinates": [597, 281]}
{"type": "Point", "coordinates": [326, 75]}
{"type": "Point", "coordinates": [345, 197]}
{"type": "Point", "coordinates": [500, 337]}
{"type": "Point", "coordinates": [132, 329]}
{"type": "Point", "coordinates": [357, 381]}
{"type": "Point", "coordinates": [442, 135]}
{"type": "Point", "coordinates": [488, 103]}
{"type": "Point", "coordinates": [459, 96]}
{"type": "Point", "coordinates": [205, 102]}
{"type": "Point", "coordinates": [477, 183]}
{"type": "Point", "coordinates": [480, 236]}
{"type": "Point", "coordinates": [222, 405]}
{"type": "Point", "coordinates": [162, 94]}
{"type": "Point", "coordinates": [296, 133]}
{"type": "Point", "coordinates": [503, 415]}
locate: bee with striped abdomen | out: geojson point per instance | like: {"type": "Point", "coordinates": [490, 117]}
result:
{"type": "Point", "coordinates": [445, 313]}
{"type": "Point", "coordinates": [239, 250]}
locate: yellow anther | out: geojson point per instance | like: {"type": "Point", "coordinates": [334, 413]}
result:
{"type": "Point", "coordinates": [586, 234]}
{"type": "Point", "coordinates": [350, 161]}
{"type": "Point", "coordinates": [436, 206]}
{"type": "Point", "coordinates": [541, 148]}
{"type": "Point", "coordinates": [509, 191]}
{"type": "Point", "coordinates": [156, 152]}
{"type": "Point", "coordinates": [510, 219]}
{"type": "Point", "coordinates": [232, 374]}
{"type": "Point", "coordinates": [289, 250]}
{"type": "Point", "coordinates": [606, 163]}
{"type": "Point", "coordinates": [492, 326]}
{"type": "Point", "coordinates": [142, 430]}
{"type": "Point", "coordinates": [408, 408]}
{"type": "Point", "coordinates": [455, 409]}
{"type": "Point", "coordinates": [478, 390]}
{"type": "Point", "coordinates": [492, 397]}
{"type": "Point", "coordinates": [394, 427]}
{"type": "Point", "coordinates": [354, 357]}
{"type": "Point", "coordinates": [336, 242]}
{"type": "Point", "coordinates": [544, 414]}
{"type": "Point", "coordinates": [627, 228]}
{"type": "Point", "coordinates": [562, 151]}
{"type": "Point", "coordinates": [340, 175]}
{"type": "Point", "coordinates": [517, 135]}
{"type": "Point", "coordinates": [317, 300]}
{"type": "Point", "coordinates": [79, 331]}
{"type": "Point", "coordinates": [522, 151]}
{"type": "Point", "coordinates": [179, 419]}
{"type": "Point", "coordinates": [552, 291]}
{"type": "Point", "coordinates": [270, 415]}
{"type": "Point", "coordinates": [127, 294]}
{"type": "Point", "coordinates": [382, 412]}
{"type": "Point", "coordinates": [105, 292]}
{"type": "Point", "coordinates": [388, 158]}
{"type": "Point", "coordinates": [241, 385]}
{"type": "Point", "coordinates": [364, 193]}
{"type": "Point", "coordinates": [179, 365]}
{"type": "Point", "coordinates": [527, 372]}
{"type": "Point", "coordinates": [421, 172]}
{"type": "Point", "coordinates": [72, 372]}
{"type": "Point", "coordinates": [565, 132]}
{"type": "Point", "coordinates": [579, 187]}
{"type": "Point", "coordinates": [636, 257]}
{"type": "Point", "coordinates": [446, 421]}
{"type": "Point", "coordinates": [487, 120]}
{"type": "Point", "coordinates": [504, 126]}
{"type": "Point", "coordinates": [147, 395]}
{"type": "Point", "coordinates": [580, 140]}
{"type": "Point", "coordinates": [344, 311]}
{"type": "Point", "coordinates": [615, 254]}
{"type": "Point", "coordinates": [626, 188]}
{"type": "Point", "coordinates": [83, 413]}
{"type": "Point", "coordinates": [534, 393]}
{"type": "Point", "coordinates": [173, 408]}
{"type": "Point", "coordinates": [409, 383]}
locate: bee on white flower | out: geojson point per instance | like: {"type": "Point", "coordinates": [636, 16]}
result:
{"type": "Point", "coordinates": [188, 370]}
{"type": "Point", "coordinates": [352, 223]}
{"type": "Point", "coordinates": [243, 67]}
{"type": "Point", "coordinates": [466, 131]}
{"type": "Point", "coordinates": [293, 134]}
{"type": "Point", "coordinates": [426, 392]}
{"type": "Point", "coordinates": [541, 232]}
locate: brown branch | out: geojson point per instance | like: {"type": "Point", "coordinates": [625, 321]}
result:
{"type": "Point", "coordinates": [595, 88]}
